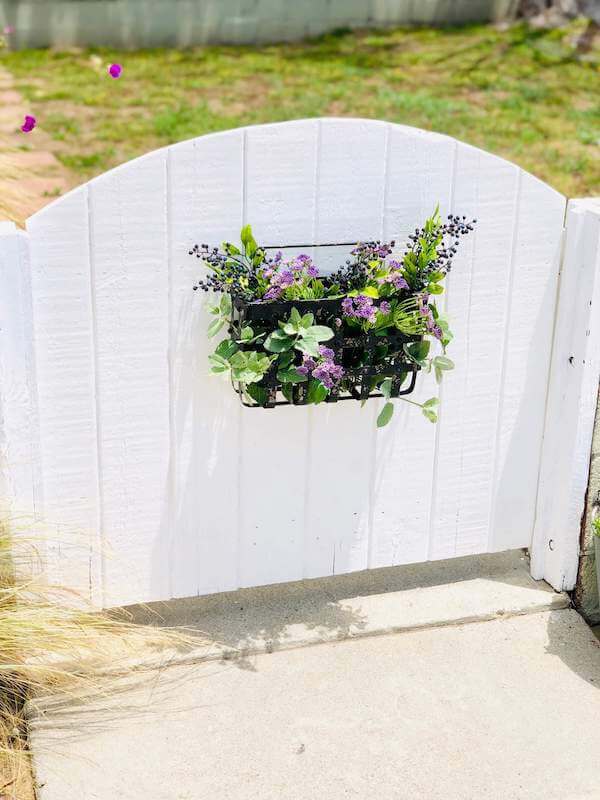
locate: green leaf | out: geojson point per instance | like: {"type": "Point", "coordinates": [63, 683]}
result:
{"type": "Point", "coordinates": [319, 332]}
{"type": "Point", "coordinates": [285, 359]}
{"type": "Point", "coordinates": [308, 346]}
{"type": "Point", "coordinates": [295, 317]}
{"type": "Point", "coordinates": [214, 327]}
{"type": "Point", "coordinates": [226, 349]}
{"type": "Point", "coordinates": [290, 376]}
{"type": "Point", "coordinates": [225, 305]}
{"type": "Point", "coordinates": [231, 249]}
{"type": "Point", "coordinates": [385, 415]}
{"type": "Point", "coordinates": [443, 363]}
{"type": "Point", "coordinates": [418, 351]}
{"type": "Point", "coordinates": [386, 388]}
{"type": "Point", "coordinates": [435, 288]}
{"type": "Point", "coordinates": [307, 320]}
{"type": "Point", "coordinates": [258, 393]}
{"type": "Point", "coordinates": [286, 391]}
{"type": "Point", "coordinates": [316, 392]}
{"type": "Point", "coordinates": [246, 235]}
{"type": "Point", "coordinates": [218, 363]}
{"type": "Point", "coordinates": [246, 333]}
{"type": "Point", "coordinates": [431, 403]}
{"type": "Point", "coordinates": [278, 342]}
{"type": "Point", "coordinates": [214, 310]}
{"type": "Point", "coordinates": [290, 329]}
{"type": "Point", "coordinates": [429, 414]}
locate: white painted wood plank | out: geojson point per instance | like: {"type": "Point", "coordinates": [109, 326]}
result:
{"type": "Point", "coordinates": [478, 295]}
{"type": "Point", "coordinates": [420, 175]}
{"type": "Point", "coordinates": [351, 191]}
{"type": "Point", "coordinates": [64, 352]}
{"type": "Point", "coordinates": [280, 195]}
{"type": "Point", "coordinates": [572, 399]}
{"type": "Point", "coordinates": [527, 362]}
{"type": "Point", "coordinates": [351, 179]}
{"type": "Point", "coordinates": [206, 205]}
{"type": "Point", "coordinates": [20, 484]}
{"type": "Point", "coordinates": [280, 206]}
{"type": "Point", "coordinates": [130, 298]}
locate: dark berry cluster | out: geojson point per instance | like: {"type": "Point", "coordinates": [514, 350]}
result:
{"type": "Point", "coordinates": [231, 272]}
{"type": "Point", "coordinates": [354, 274]}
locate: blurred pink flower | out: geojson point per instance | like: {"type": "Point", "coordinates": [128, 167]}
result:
{"type": "Point", "coordinates": [29, 124]}
{"type": "Point", "coordinates": [115, 70]}
{"type": "Point", "coordinates": [8, 29]}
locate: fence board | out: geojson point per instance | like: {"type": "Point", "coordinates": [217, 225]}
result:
{"type": "Point", "coordinates": [206, 205]}
{"type": "Point", "coordinates": [128, 235]}
{"type": "Point", "coordinates": [420, 174]}
{"type": "Point", "coordinates": [477, 296]}
{"type": "Point", "coordinates": [66, 386]}
{"type": "Point", "coordinates": [527, 349]}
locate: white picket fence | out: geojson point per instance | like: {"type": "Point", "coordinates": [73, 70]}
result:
{"type": "Point", "coordinates": [156, 483]}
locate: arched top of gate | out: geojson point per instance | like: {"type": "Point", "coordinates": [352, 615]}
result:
{"type": "Point", "coordinates": [306, 181]}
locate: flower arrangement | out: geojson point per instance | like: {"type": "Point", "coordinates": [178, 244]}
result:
{"type": "Point", "coordinates": [296, 336]}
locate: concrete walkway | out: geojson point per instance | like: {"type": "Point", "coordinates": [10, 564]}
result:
{"type": "Point", "coordinates": [418, 703]}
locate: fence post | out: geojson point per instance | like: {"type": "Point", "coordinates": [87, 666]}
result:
{"type": "Point", "coordinates": [18, 413]}
{"type": "Point", "coordinates": [571, 401]}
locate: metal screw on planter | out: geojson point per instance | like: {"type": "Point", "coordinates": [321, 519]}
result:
{"type": "Point", "coordinates": [367, 358]}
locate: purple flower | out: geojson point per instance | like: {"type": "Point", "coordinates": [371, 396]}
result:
{"type": "Point", "coordinates": [359, 307]}
{"type": "Point", "coordinates": [286, 278]}
{"type": "Point", "coordinates": [323, 370]}
{"type": "Point", "coordinates": [115, 70]}
{"type": "Point", "coordinates": [29, 124]}
{"type": "Point", "coordinates": [384, 307]}
{"type": "Point", "coordinates": [399, 282]}
{"type": "Point", "coordinates": [326, 352]}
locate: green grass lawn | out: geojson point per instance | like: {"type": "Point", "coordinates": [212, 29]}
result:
{"type": "Point", "coordinates": [519, 93]}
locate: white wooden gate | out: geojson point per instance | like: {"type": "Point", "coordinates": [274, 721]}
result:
{"type": "Point", "coordinates": [152, 480]}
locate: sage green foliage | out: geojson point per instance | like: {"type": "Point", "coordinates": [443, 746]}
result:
{"type": "Point", "coordinates": [248, 271]}
{"type": "Point", "coordinates": [299, 333]}
{"type": "Point", "coordinates": [596, 526]}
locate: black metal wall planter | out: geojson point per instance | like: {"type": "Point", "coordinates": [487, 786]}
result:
{"type": "Point", "coordinates": [299, 337]}
{"type": "Point", "coordinates": [367, 358]}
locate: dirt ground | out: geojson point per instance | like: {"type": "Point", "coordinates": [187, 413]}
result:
{"type": "Point", "coordinates": [30, 175]}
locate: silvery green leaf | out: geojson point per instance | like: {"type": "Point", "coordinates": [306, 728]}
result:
{"type": "Point", "coordinates": [214, 327]}
{"type": "Point", "coordinates": [385, 415]}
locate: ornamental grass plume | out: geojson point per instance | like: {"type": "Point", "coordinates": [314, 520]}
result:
{"type": "Point", "coordinates": [54, 645]}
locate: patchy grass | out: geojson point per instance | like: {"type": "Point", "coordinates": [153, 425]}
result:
{"type": "Point", "coordinates": [522, 94]}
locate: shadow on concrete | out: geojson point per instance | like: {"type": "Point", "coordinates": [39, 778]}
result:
{"type": "Point", "coordinates": [269, 613]}
{"type": "Point", "coordinates": [581, 654]}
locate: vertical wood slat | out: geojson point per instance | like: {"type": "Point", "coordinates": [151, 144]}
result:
{"type": "Point", "coordinates": [572, 400]}
{"type": "Point", "coordinates": [206, 202]}
{"type": "Point", "coordinates": [350, 202]}
{"type": "Point", "coordinates": [486, 188]}
{"type": "Point", "coordinates": [419, 175]}
{"type": "Point", "coordinates": [537, 252]}
{"type": "Point", "coordinates": [19, 430]}
{"type": "Point", "coordinates": [65, 362]}
{"type": "Point", "coordinates": [128, 236]}
{"type": "Point", "coordinates": [280, 202]}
